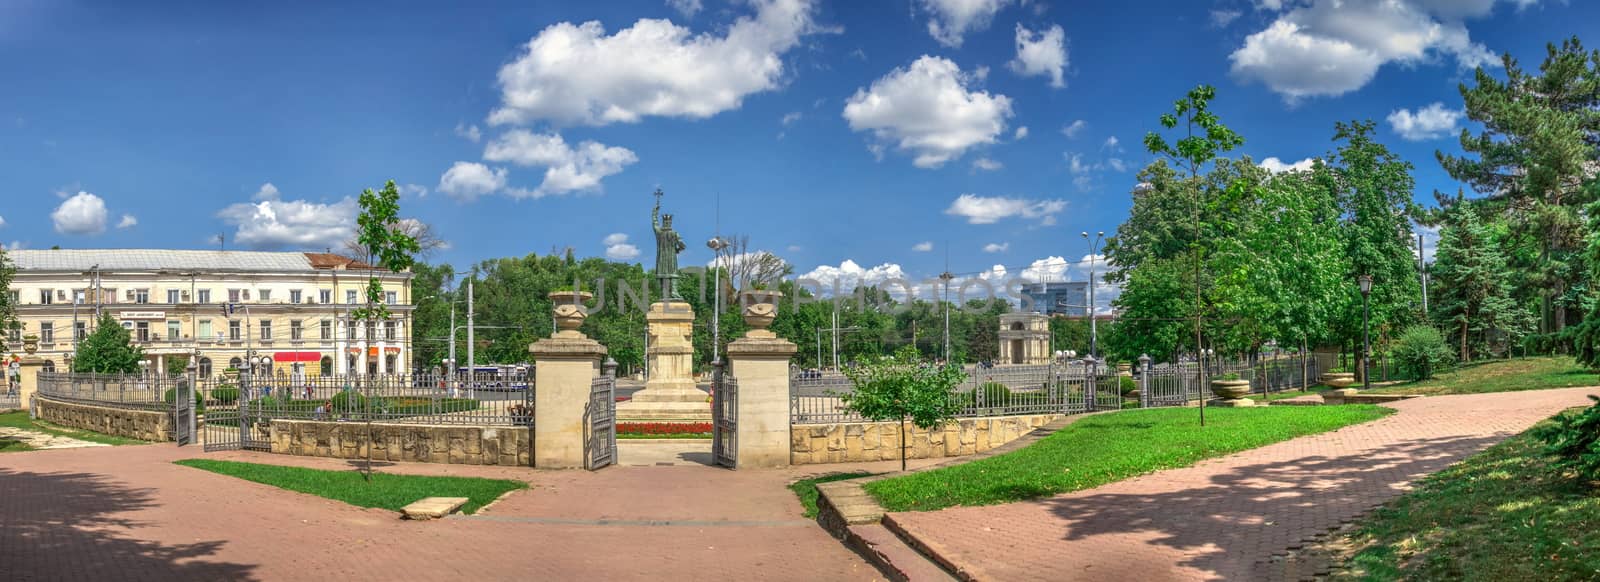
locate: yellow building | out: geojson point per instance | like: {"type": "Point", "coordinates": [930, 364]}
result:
{"type": "Point", "coordinates": [290, 310]}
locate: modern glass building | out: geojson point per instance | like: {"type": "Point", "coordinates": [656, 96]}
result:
{"type": "Point", "coordinates": [1068, 298]}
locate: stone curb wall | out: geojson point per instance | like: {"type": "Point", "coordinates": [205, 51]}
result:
{"type": "Point", "coordinates": [419, 443]}
{"type": "Point", "coordinates": [851, 442]}
{"type": "Point", "coordinates": [145, 425]}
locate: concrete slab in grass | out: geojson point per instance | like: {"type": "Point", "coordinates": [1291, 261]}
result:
{"type": "Point", "coordinates": [433, 507]}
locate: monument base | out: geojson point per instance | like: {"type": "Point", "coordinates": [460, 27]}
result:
{"type": "Point", "coordinates": [671, 393]}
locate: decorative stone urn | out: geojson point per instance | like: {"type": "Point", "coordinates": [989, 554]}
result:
{"type": "Point", "coordinates": [30, 344]}
{"type": "Point", "coordinates": [759, 310]}
{"type": "Point", "coordinates": [1339, 380]}
{"type": "Point", "coordinates": [569, 310]}
{"type": "Point", "coordinates": [1230, 389]}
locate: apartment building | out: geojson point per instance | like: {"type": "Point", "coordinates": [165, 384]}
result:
{"type": "Point", "coordinates": [289, 311]}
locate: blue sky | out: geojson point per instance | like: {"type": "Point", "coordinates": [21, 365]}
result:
{"type": "Point", "coordinates": [830, 131]}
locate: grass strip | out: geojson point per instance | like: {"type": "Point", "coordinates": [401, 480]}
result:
{"type": "Point", "coordinates": [806, 489]}
{"type": "Point", "coordinates": [386, 490]}
{"type": "Point", "coordinates": [19, 419]}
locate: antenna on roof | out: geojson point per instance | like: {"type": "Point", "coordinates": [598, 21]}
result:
{"type": "Point", "coordinates": [222, 241]}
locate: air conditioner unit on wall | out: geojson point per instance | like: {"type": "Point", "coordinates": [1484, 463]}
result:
{"type": "Point", "coordinates": [61, 295]}
{"type": "Point", "coordinates": [244, 295]}
{"type": "Point", "coordinates": [185, 295]}
{"type": "Point", "coordinates": [129, 295]}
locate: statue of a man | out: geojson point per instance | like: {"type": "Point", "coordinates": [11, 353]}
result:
{"type": "Point", "coordinates": [668, 245]}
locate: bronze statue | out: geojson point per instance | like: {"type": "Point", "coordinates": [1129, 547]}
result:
{"type": "Point", "coordinates": [668, 245]}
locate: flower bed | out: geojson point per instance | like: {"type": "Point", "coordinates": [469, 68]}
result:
{"type": "Point", "coordinates": [664, 428]}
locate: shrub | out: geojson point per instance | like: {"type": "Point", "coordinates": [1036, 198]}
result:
{"type": "Point", "coordinates": [349, 401]}
{"type": "Point", "coordinates": [1128, 385]}
{"type": "Point", "coordinates": [1574, 440]}
{"type": "Point", "coordinates": [171, 396]}
{"type": "Point", "coordinates": [995, 393]}
{"type": "Point", "coordinates": [1420, 351]}
{"type": "Point", "coordinates": [1228, 377]}
{"type": "Point", "coordinates": [225, 394]}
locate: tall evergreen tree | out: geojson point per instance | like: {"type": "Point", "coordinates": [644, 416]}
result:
{"type": "Point", "coordinates": [1472, 290]}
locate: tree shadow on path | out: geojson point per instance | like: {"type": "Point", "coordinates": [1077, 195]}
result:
{"type": "Point", "coordinates": [1232, 526]}
{"type": "Point", "coordinates": [69, 526]}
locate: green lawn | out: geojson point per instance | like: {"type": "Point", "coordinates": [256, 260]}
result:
{"type": "Point", "coordinates": [386, 491]}
{"type": "Point", "coordinates": [13, 446]}
{"type": "Point", "coordinates": [1110, 447]}
{"type": "Point", "coordinates": [806, 489]}
{"type": "Point", "coordinates": [19, 419]}
{"type": "Point", "coordinates": [1500, 515]}
{"type": "Point", "coordinates": [1534, 373]}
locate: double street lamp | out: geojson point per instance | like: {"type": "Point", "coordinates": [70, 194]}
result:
{"type": "Point", "coordinates": [717, 244]}
{"type": "Point", "coordinates": [1366, 332]}
{"type": "Point", "coordinates": [1094, 246]}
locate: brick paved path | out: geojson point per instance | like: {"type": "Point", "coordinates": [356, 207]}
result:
{"type": "Point", "coordinates": [1225, 518]}
{"type": "Point", "coordinates": [128, 513]}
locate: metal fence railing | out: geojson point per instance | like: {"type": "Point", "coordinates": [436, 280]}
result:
{"type": "Point", "coordinates": [1178, 384]}
{"type": "Point", "coordinates": [10, 398]}
{"type": "Point", "coordinates": [132, 391]}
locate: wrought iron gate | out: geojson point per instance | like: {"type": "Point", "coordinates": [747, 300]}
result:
{"type": "Point", "coordinates": [601, 442]}
{"type": "Point", "coordinates": [724, 416]}
{"type": "Point", "coordinates": [233, 419]}
{"type": "Point", "coordinates": [183, 411]}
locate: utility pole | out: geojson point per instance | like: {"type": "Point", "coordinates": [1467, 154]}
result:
{"type": "Point", "coordinates": [472, 346]}
{"type": "Point", "coordinates": [451, 369]}
{"type": "Point", "coordinates": [1094, 334]}
{"type": "Point", "coordinates": [946, 276]}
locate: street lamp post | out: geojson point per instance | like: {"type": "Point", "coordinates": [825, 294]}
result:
{"type": "Point", "coordinates": [717, 244]}
{"type": "Point", "coordinates": [946, 277]}
{"type": "Point", "coordinates": [1094, 333]}
{"type": "Point", "coordinates": [1366, 332]}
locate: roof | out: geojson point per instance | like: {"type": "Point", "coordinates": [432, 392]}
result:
{"type": "Point", "coordinates": [76, 260]}
{"type": "Point", "coordinates": [335, 261]}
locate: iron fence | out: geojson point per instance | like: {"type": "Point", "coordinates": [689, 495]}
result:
{"type": "Point", "coordinates": [486, 399]}
{"type": "Point", "coordinates": [1178, 384]}
{"type": "Point", "coordinates": [1069, 388]}
{"type": "Point", "coordinates": [131, 391]}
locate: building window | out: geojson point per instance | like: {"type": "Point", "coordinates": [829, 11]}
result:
{"type": "Point", "coordinates": [174, 329]}
{"type": "Point", "coordinates": [372, 330]}
{"type": "Point", "coordinates": [233, 296]}
{"type": "Point", "coordinates": [389, 364]}
{"type": "Point", "coordinates": [48, 366]}
{"type": "Point", "coordinates": [350, 296]}
{"type": "Point", "coordinates": [235, 363]}
{"type": "Point", "coordinates": [15, 296]}
{"type": "Point", "coordinates": [202, 296]}
{"type": "Point", "coordinates": [15, 333]}
{"type": "Point", "coordinates": [350, 330]}
{"type": "Point", "coordinates": [174, 296]}
{"type": "Point", "coordinates": [108, 295]}
{"type": "Point", "coordinates": [45, 296]}
{"type": "Point", "coordinates": [295, 332]}
{"type": "Point", "coordinates": [141, 296]}
{"type": "Point", "coordinates": [142, 330]}
{"type": "Point", "coordinates": [294, 296]}
{"type": "Point", "coordinates": [205, 329]}
{"type": "Point", "coordinates": [327, 329]}
{"type": "Point", "coordinates": [80, 330]}
{"type": "Point", "coordinates": [325, 296]}
{"type": "Point", "coordinates": [266, 330]}
{"type": "Point", "coordinates": [47, 332]}
{"type": "Point", "coordinates": [388, 330]}
{"type": "Point", "coordinates": [204, 367]}
{"type": "Point", "coordinates": [266, 296]}
{"type": "Point", "coordinates": [234, 331]}
{"type": "Point", "coordinates": [80, 296]}
{"type": "Point", "coordinates": [391, 297]}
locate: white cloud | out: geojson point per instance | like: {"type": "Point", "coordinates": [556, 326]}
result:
{"type": "Point", "coordinates": [469, 132]}
{"type": "Point", "coordinates": [1117, 164]}
{"type": "Point", "coordinates": [991, 209]}
{"type": "Point", "coordinates": [790, 118]}
{"type": "Point", "coordinates": [469, 180]}
{"type": "Point", "coordinates": [1222, 18]}
{"type": "Point", "coordinates": [927, 110]}
{"type": "Point", "coordinates": [688, 8]}
{"type": "Point", "coordinates": [923, 247]}
{"type": "Point", "coordinates": [795, 248]}
{"type": "Point", "coordinates": [1431, 122]}
{"type": "Point", "coordinates": [1113, 144]}
{"type": "Point", "coordinates": [414, 190]}
{"type": "Point", "coordinates": [1041, 53]}
{"type": "Point", "coordinates": [572, 74]}
{"type": "Point", "coordinates": [986, 165]}
{"type": "Point", "coordinates": [953, 19]}
{"type": "Point", "coordinates": [1277, 166]}
{"type": "Point", "coordinates": [850, 275]}
{"type": "Point", "coordinates": [618, 248]}
{"type": "Point", "coordinates": [996, 247]}
{"type": "Point", "coordinates": [83, 213]}
{"type": "Point", "coordinates": [567, 169]}
{"type": "Point", "coordinates": [15, 245]}
{"type": "Point", "coordinates": [1071, 130]}
{"type": "Point", "coordinates": [2, 222]}
{"type": "Point", "coordinates": [1021, 132]}
{"type": "Point", "coordinates": [266, 192]}
{"type": "Point", "coordinates": [1332, 47]}
{"type": "Point", "coordinates": [297, 224]}
{"type": "Point", "coordinates": [127, 221]}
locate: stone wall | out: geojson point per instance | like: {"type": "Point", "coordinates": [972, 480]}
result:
{"type": "Point", "coordinates": [422, 443]}
{"type": "Point", "coordinates": [147, 425]}
{"type": "Point", "coordinates": [880, 441]}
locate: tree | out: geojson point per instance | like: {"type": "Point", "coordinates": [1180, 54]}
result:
{"type": "Point", "coordinates": [8, 312]}
{"type": "Point", "coordinates": [388, 246]}
{"type": "Point", "coordinates": [1472, 290]}
{"type": "Point", "coordinates": [427, 240]}
{"type": "Point", "coordinates": [904, 387]}
{"type": "Point", "coordinates": [1536, 159]}
{"type": "Point", "coordinates": [108, 350]}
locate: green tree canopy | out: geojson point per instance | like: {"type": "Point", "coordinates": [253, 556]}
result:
{"type": "Point", "coordinates": [108, 350]}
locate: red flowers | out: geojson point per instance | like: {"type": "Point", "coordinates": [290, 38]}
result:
{"type": "Point", "coordinates": [663, 427]}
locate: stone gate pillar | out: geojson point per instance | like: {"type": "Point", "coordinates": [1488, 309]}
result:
{"type": "Point", "coordinates": [565, 366]}
{"type": "Point", "coordinates": [760, 362]}
{"type": "Point", "coordinates": [31, 366]}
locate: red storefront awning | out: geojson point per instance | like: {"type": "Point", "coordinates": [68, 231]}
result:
{"type": "Point", "coordinates": [288, 357]}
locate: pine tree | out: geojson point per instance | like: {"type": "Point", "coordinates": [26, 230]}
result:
{"type": "Point", "coordinates": [109, 350]}
{"type": "Point", "coordinates": [1472, 291]}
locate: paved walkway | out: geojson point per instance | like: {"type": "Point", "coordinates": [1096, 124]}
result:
{"type": "Point", "coordinates": [1226, 518]}
{"type": "Point", "coordinates": [128, 513]}
{"type": "Point", "coordinates": [43, 441]}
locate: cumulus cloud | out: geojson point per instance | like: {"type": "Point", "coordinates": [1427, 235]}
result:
{"type": "Point", "coordinates": [414, 190]}
{"type": "Point", "coordinates": [923, 247]}
{"type": "Point", "coordinates": [991, 209]}
{"type": "Point", "coordinates": [1332, 47]}
{"type": "Point", "coordinates": [127, 221]}
{"type": "Point", "coordinates": [1021, 132]}
{"type": "Point", "coordinates": [688, 8]}
{"type": "Point", "coordinates": [2, 222]}
{"type": "Point", "coordinates": [1041, 53]}
{"type": "Point", "coordinates": [567, 169]}
{"type": "Point", "coordinates": [469, 132]}
{"type": "Point", "coordinates": [577, 74]}
{"type": "Point", "coordinates": [618, 248]}
{"type": "Point", "coordinates": [986, 165]}
{"type": "Point", "coordinates": [996, 247]}
{"type": "Point", "coordinates": [266, 192]}
{"type": "Point", "coordinates": [953, 19]}
{"type": "Point", "coordinates": [1222, 18]}
{"type": "Point", "coordinates": [82, 213]}
{"type": "Point", "coordinates": [1071, 129]}
{"type": "Point", "coordinates": [849, 275]}
{"type": "Point", "coordinates": [927, 110]}
{"type": "Point", "coordinates": [1277, 166]}
{"type": "Point", "coordinates": [790, 118]}
{"type": "Point", "coordinates": [1431, 122]}
{"type": "Point", "coordinates": [272, 222]}
{"type": "Point", "coordinates": [469, 180]}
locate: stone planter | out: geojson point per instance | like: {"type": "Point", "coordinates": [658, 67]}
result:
{"type": "Point", "coordinates": [1339, 380]}
{"type": "Point", "coordinates": [569, 309]}
{"type": "Point", "coordinates": [1230, 389]}
{"type": "Point", "coordinates": [759, 309]}
{"type": "Point", "coordinates": [30, 344]}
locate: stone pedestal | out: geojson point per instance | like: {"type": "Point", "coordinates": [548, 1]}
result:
{"type": "Point", "coordinates": [760, 362]}
{"type": "Point", "coordinates": [31, 367]}
{"type": "Point", "coordinates": [670, 393]}
{"type": "Point", "coordinates": [566, 366]}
